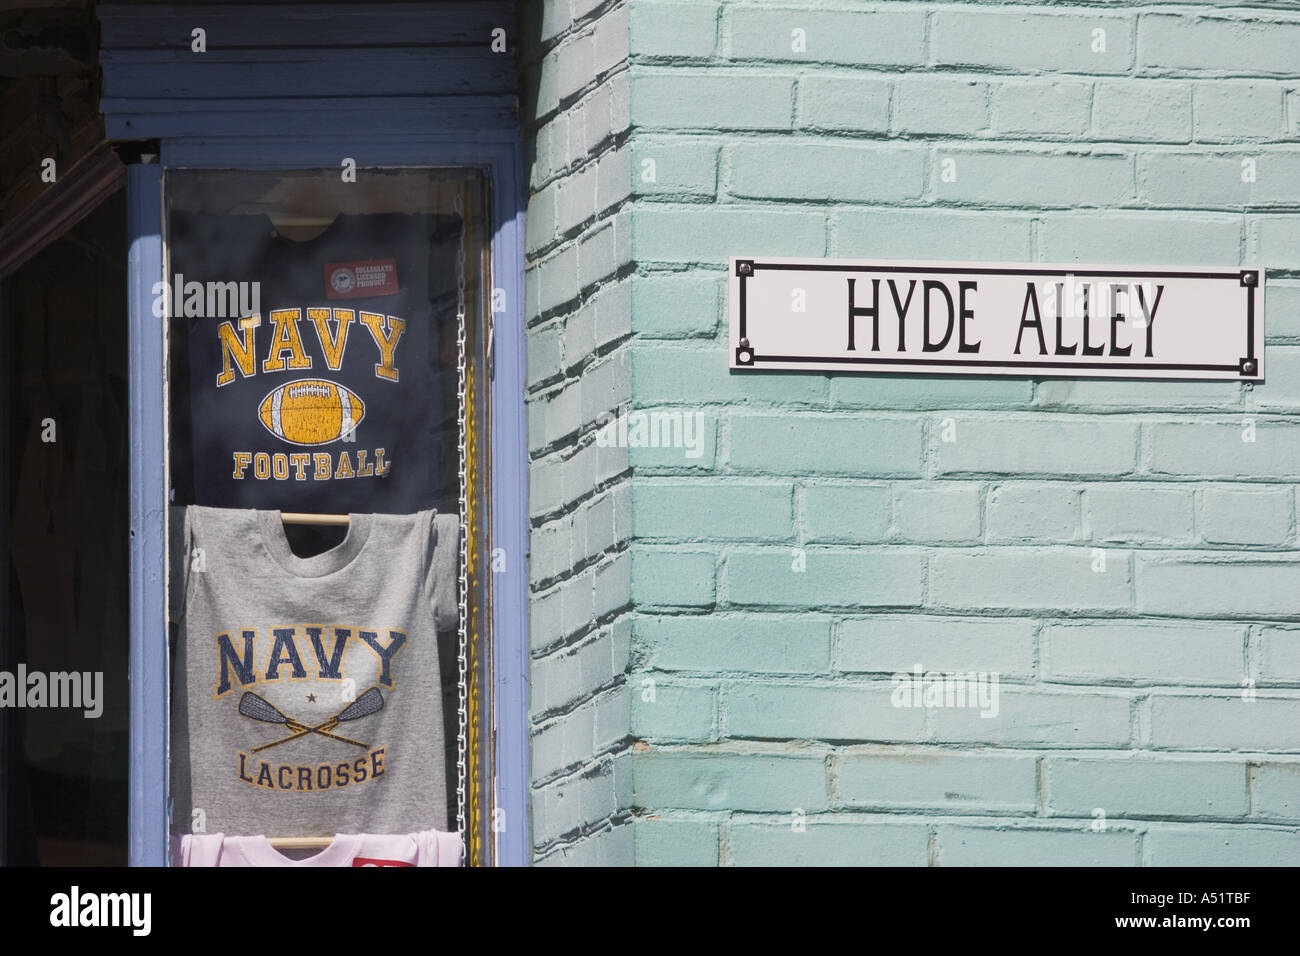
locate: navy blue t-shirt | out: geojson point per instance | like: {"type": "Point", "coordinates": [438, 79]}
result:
{"type": "Point", "coordinates": [320, 389]}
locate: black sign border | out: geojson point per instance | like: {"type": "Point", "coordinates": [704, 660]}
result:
{"type": "Point", "coordinates": [1246, 367]}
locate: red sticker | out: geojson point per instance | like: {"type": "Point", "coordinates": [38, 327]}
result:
{"type": "Point", "coordinates": [369, 861]}
{"type": "Point", "coordinates": [358, 280]}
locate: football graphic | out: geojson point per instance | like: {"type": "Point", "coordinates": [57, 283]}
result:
{"type": "Point", "coordinates": [311, 411]}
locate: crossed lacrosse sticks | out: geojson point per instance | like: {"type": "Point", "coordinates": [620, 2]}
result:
{"type": "Point", "coordinates": [259, 708]}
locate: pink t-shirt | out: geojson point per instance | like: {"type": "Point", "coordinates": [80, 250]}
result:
{"type": "Point", "coordinates": [426, 848]}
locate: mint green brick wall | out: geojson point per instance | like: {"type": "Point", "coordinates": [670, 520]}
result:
{"type": "Point", "coordinates": [847, 528]}
{"type": "Point", "coordinates": [578, 156]}
{"type": "Point", "coordinates": [715, 648]}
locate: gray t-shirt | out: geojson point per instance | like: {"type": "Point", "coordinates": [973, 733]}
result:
{"type": "Point", "coordinates": [306, 696]}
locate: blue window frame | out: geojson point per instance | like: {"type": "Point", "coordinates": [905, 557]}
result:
{"type": "Point", "coordinates": [213, 120]}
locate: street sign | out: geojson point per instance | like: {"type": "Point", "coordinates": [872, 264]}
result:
{"type": "Point", "coordinates": [1032, 319]}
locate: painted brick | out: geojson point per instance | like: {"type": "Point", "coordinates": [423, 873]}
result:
{"type": "Point", "coordinates": [914, 392]}
{"type": "Point", "coordinates": [1044, 578]}
{"type": "Point", "coordinates": [695, 374]}
{"type": "Point", "coordinates": [1024, 511]}
{"type": "Point", "coordinates": [689, 234]}
{"type": "Point", "coordinates": [1058, 108]}
{"type": "Point", "coordinates": [757, 644]}
{"type": "Point", "coordinates": [1138, 512]}
{"type": "Point", "coordinates": [1143, 652]}
{"type": "Point", "coordinates": [830, 712]}
{"type": "Point", "coordinates": [1146, 787]}
{"type": "Point", "coordinates": [829, 844]}
{"type": "Point", "coordinates": [1117, 394]}
{"type": "Point", "coordinates": [1280, 654]}
{"type": "Point", "coordinates": [690, 99]}
{"type": "Point", "coordinates": [1219, 846]}
{"type": "Point", "coordinates": [845, 513]}
{"type": "Point", "coordinates": [947, 512]}
{"type": "Point", "coordinates": [1246, 514]}
{"type": "Point", "coordinates": [672, 577]}
{"type": "Point", "coordinates": [597, 257]}
{"type": "Point", "coordinates": [678, 712]}
{"type": "Point", "coordinates": [1022, 846]}
{"type": "Point", "coordinates": [696, 455]}
{"type": "Point", "coordinates": [940, 104]}
{"type": "Point", "coordinates": [673, 29]}
{"type": "Point", "coordinates": [1028, 718]}
{"type": "Point", "coordinates": [610, 586]}
{"type": "Point", "coordinates": [674, 167]}
{"type": "Point", "coordinates": [855, 103]}
{"type": "Point", "coordinates": [928, 234]}
{"type": "Point", "coordinates": [876, 578]}
{"type": "Point", "coordinates": [939, 780]}
{"type": "Point", "coordinates": [1225, 723]}
{"type": "Point", "coordinates": [613, 846]}
{"type": "Point", "coordinates": [822, 444]}
{"type": "Point", "coordinates": [580, 333]}
{"type": "Point", "coordinates": [1216, 449]}
{"type": "Point", "coordinates": [884, 38]}
{"type": "Point", "coordinates": [611, 39]}
{"type": "Point", "coordinates": [567, 805]}
{"type": "Point", "coordinates": [1233, 110]}
{"type": "Point", "coordinates": [613, 178]}
{"type": "Point", "coordinates": [1276, 240]}
{"type": "Point", "coordinates": [892, 645]}
{"type": "Point", "coordinates": [1282, 391]}
{"type": "Point", "coordinates": [664, 842]}
{"type": "Point", "coordinates": [613, 303]}
{"type": "Point", "coordinates": [1142, 110]}
{"type": "Point", "coordinates": [1276, 791]}
{"type": "Point", "coordinates": [1037, 179]}
{"type": "Point", "coordinates": [1030, 42]}
{"type": "Point", "coordinates": [562, 678]}
{"type": "Point", "coordinates": [1187, 586]}
{"type": "Point", "coordinates": [821, 172]}
{"type": "Point", "coordinates": [1181, 179]}
{"type": "Point", "coordinates": [694, 510]}
{"type": "Point", "coordinates": [666, 780]}
{"type": "Point", "coordinates": [557, 278]}
{"type": "Point", "coordinates": [1212, 44]}
{"type": "Point", "coordinates": [545, 354]}
{"type": "Point", "coordinates": [1045, 445]}
{"type": "Point", "coordinates": [658, 300]}
{"type": "Point", "coordinates": [1153, 238]}
{"type": "Point", "coordinates": [575, 202]}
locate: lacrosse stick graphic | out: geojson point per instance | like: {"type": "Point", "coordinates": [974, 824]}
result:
{"type": "Point", "coordinates": [368, 703]}
{"type": "Point", "coordinates": [259, 708]}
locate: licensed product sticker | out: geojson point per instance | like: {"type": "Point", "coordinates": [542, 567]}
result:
{"type": "Point", "coordinates": [357, 280]}
{"type": "Point", "coordinates": [370, 861]}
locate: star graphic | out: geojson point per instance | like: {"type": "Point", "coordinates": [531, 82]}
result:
{"type": "Point", "coordinates": [311, 698]}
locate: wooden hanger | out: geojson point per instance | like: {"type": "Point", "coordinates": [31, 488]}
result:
{"type": "Point", "coordinates": [298, 517]}
{"type": "Point", "coordinates": [300, 843]}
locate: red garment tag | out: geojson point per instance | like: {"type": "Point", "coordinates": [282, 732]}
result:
{"type": "Point", "coordinates": [368, 861]}
{"type": "Point", "coordinates": [357, 280]}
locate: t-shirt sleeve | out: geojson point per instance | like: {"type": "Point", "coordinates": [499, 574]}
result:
{"type": "Point", "coordinates": [444, 571]}
{"type": "Point", "coordinates": [180, 537]}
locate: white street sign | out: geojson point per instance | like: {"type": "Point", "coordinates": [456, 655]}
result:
{"type": "Point", "coordinates": [1030, 319]}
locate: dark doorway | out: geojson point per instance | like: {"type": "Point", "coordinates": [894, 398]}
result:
{"type": "Point", "coordinates": [64, 607]}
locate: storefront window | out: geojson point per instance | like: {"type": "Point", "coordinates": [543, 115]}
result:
{"type": "Point", "coordinates": [330, 653]}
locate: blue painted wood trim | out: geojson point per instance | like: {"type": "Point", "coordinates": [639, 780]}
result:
{"type": "Point", "coordinates": [510, 510]}
{"type": "Point", "coordinates": [147, 824]}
